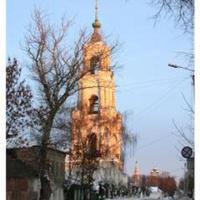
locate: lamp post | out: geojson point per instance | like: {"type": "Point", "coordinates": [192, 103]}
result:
{"type": "Point", "coordinates": [185, 68]}
{"type": "Point", "coordinates": [189, 164]}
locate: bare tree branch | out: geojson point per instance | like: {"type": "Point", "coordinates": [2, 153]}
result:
{"type": "Point", "coordinates": [181, 10]}
{"type": "Point", "coordinates": [57, 68]}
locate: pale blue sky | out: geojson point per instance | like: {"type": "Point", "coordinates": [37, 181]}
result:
{"type": "Point", "coordinates": [147, 88]}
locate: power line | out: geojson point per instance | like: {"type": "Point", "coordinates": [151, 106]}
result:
{"type": "Point", "coordinates": [148, 82]}
{"type": "Point", "coordinates": [160, 99]}
{"type": "Point", "coordinates": [153, 142]}
{"type": "Point", "coordinates": [144, 86]}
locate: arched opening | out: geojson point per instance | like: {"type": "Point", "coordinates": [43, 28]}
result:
{"type": "Point", "coordinates": [92, 144]}
{"type": "Point", "coordinates": [94, 104]}
{"type": "Point", "coordinates": [94, 64]}
{"type": "Point", "coordinates": [107, 139]}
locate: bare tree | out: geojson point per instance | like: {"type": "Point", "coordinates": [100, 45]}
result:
{"type": "Point", "coordinates": [129, 138]}
{"type": "Point", "coordinates": [56, 68]}
{"type": "Point", "coordinates": [185, 135]}
{"type": "Point", "coordinates": [181, 10]}
{"type": "Point", "coordinates": [168, 185]}
{"type": "Point", "coordinates": [18, 101]}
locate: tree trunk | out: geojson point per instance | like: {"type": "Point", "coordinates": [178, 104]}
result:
{"type": "Point", "coordinates": [46, 190]}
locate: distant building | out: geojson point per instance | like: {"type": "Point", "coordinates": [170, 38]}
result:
{"type": "Point", "coordinates": [164, 174]}
{"type": "Point", "coordinates": [155, 172]}
{"type": "Point", "coordinates": [137, 177]}
{"type": "Point", "coordinates": [22, 174]}
{"type": "Point", "coordinates": [153, 178]}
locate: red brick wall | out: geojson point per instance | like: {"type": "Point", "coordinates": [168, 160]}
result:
{"type": "Point", "coordinates": [29, 156]}
{"type": "Point", "coordinates": [19, 189]}
{"type": "Point", "coordinates": [17, 184]}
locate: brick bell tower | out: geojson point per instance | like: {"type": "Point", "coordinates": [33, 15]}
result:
{"type": "Point", "coordinates": [96, 124]}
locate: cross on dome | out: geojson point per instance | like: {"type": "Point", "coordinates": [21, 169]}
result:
{"type": "Point", "coordinates": [96, 36]}
{"type": "Point", "coordinates": [96, 23]}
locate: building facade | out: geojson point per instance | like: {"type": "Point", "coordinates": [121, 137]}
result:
{"type": "Point", "coordinates": [96, 121]}
{"type": "Point", "coordinates": [97, 131]}
{"type": "Point", "coordinates": [22, 174]}
{"type": "Point", "coordinates": [155, 172]}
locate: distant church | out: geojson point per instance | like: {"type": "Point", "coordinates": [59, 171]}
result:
{"type": "Point", "coordinates": [96, 125]}
{"type": "Point", "coordinates": [137, 176]}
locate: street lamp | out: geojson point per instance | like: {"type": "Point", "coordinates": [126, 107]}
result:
{"type": "Point", "coordinates": [185, 68]}
{"type": "Point", "coordinates": [187, 150]}
{"type": "Point", "coordinates": [176, 66]}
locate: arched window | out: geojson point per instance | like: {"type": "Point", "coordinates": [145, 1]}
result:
{"type": "Point", "coordinates": [94, 104]}
{"type": "Point", "coordinates": [94, 64]}
{"type": "Point", "coordinates": [92, 144]}
{"type": "Point", "coordinates": [107, 139]}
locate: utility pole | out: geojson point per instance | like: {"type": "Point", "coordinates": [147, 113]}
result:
{"type": "Point", "coordinates": [185, 179]}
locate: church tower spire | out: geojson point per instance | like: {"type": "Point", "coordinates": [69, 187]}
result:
{"type": "Point", "coordinates": [96, 24]}
{"type": "Point", "coordinates": [96, 36]}
{"type": "Point", "coordinates": [137, 175]}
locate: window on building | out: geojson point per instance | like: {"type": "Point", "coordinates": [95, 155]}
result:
{"type": "Point", "coordinates": [95, 64]}
{"type": "Point", "coordinates": [92, 144]}
{"type": "Point", "coordinates": [94, 104]}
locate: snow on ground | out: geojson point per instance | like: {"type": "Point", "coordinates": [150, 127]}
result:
{"type": "Point", "coordinates": [151, 197]}
{"type": "Point", "coordinates": [148, 198]}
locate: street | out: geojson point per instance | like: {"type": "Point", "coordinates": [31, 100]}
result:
{"type": "Point", "coordinates": [147, 198]}
{"type": "Point", "coordinates": [153, 196]}
{"type": "Point", "coordinates": [150, 198]}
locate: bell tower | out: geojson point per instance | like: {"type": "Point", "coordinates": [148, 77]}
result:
{"type": "Point", "coordinates": [96, 124]}
{"type": "Point", "coordinates": [137, 175]}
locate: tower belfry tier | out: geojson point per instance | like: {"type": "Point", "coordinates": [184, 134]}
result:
{"type": "Point", "coordinates": [95, 121]}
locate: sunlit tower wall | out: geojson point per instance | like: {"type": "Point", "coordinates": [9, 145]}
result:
{"type": "Point", "coordinates": [95, 121]}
